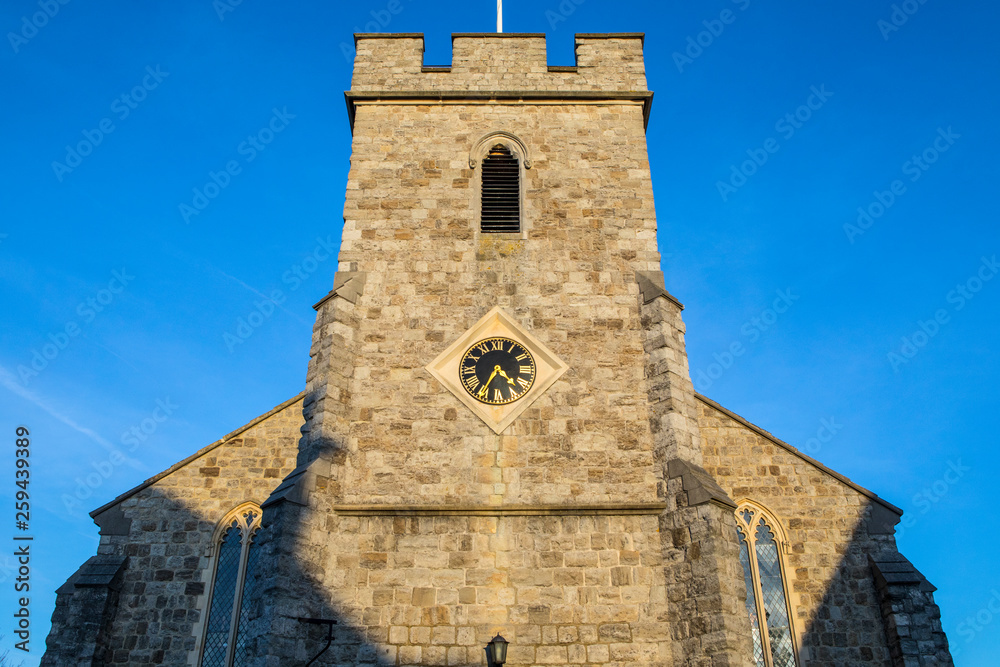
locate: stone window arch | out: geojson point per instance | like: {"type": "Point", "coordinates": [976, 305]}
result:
{"type": "Point", "coordinates": [499, 160]}
{"type": "Point", "coordinates": [234, 554]}
{"type": "Point", "coordinates": [762, 543]}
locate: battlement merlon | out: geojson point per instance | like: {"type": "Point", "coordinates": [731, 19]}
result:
{"type": "Point", "coordinates": [504, 65]}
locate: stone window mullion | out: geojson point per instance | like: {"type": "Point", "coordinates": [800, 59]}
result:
{"type": "Point", "coordinates": [245, 521]}
{"type": "Point", "coordinates": [758, 595]}
{"type": "Point", "coordinates": [234, 621]}
{"type": "Point", "coordinates": [751, 521]}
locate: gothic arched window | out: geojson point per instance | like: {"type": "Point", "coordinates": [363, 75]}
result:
{"type": "Point", "coordinates": [767, 597]}
{"type": "Point", "coordinates": [235, 557]}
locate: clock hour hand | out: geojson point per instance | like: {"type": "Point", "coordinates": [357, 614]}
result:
{"type": "Point", "coordinates": [506, 377]}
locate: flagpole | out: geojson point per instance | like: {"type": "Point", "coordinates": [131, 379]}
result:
{"type": "Point", "coordinates": [499, 15]}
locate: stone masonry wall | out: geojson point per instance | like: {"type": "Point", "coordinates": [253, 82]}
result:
{"type": "Point", "coordinates": [409, 226]}
{"type": "Point", "coordinates": [599, 526]}
{"type": "Point", "coordinates": [389, 438]}
{"type": "Point", "coordinates": [163, 598]}
{"type": "Point", "coordinates": [434, 590]}
{"type": "Point", "coordinates": [706, 592]}
{"type": "Point", "coordinates": [833, 596]}
{"type": "Point", "coordinates": [499, 62]}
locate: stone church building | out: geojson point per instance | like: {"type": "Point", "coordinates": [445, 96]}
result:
{"type": "Point", "coordinates": [498, 432]}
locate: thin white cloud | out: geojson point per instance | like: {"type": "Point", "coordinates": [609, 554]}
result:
{"type": "Point", "coordinates": [8, 380]}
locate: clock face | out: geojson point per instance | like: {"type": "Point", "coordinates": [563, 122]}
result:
{"type": "Point", "coordinates": [497, 371]}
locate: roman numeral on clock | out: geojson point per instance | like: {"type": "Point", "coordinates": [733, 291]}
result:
{"type": "Point", "coordinates": [508, 365]}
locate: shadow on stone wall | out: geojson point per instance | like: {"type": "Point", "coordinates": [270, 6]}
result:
{"type": "Point", "coordinates": [287, 584]}
{"type": "Point", "coordinates": [875, 599]}
{"type": "Point", "coordinates": [142, 601]}
{"type": "Point", "coordinates": [147, 611]}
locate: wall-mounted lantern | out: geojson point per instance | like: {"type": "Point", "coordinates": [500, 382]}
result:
{"type": "Point", "coordinates": [496, 651]}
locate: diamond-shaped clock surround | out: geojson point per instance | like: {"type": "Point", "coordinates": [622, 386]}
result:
{"type": "Point", "coordinates": [548, 368]}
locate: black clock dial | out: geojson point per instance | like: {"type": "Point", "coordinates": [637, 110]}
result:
{"type": "Point", "coordinates": [497, 371]}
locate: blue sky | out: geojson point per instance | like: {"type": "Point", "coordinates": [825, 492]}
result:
{"type": "Point", "coordinates": [773, 122]}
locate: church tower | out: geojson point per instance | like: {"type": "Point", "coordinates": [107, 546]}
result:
{"type": "Point", "coordinates": [500, 429]}
{"type": "Point", "coordinates": [498, 433]}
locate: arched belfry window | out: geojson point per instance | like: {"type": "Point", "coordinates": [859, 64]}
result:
{"type": "Point", "coordinates": [501, 192]}
{"type": "Point", "coordinates": [500, 159]}
{"type": "Point", "coordinates": [760, 542]}
{"type": "Point", "coordinates": [235, 557]}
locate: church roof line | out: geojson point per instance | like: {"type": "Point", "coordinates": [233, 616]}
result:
{"type": "Point", "coordinates": [805, 457]}
{"type": "Point", "coordinates": [198, 454]}
{"type": "Point", "coordinates": [704, 399]}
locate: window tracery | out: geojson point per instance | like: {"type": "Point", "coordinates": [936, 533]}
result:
{"type": "Point", "coordinates": [225, 643]}
{"type": "Point", "coordinates": [767, 599]}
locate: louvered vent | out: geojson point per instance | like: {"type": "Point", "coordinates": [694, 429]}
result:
{"type": "Point", "coordinates": [501, 192]}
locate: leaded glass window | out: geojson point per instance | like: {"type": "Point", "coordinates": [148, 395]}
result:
{"type": "Point", "coordinates": [767, 599]}
{"type": "Point", "coordinates": [225, 630]}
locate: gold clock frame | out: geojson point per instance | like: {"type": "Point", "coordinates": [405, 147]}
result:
{"type": "Point", "coordinates": [497, 324]}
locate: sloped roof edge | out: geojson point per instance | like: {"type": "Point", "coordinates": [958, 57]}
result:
{"type": "Point", "coordinates": [805, 457]}
{"type": "Point", "coordinates": [201, 452]}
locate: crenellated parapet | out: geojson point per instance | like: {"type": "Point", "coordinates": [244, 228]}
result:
{"type": "Point", "coordinates": [498, 62]}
